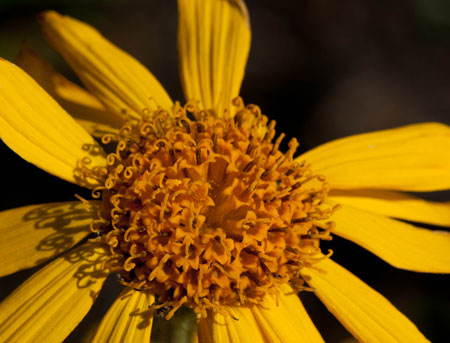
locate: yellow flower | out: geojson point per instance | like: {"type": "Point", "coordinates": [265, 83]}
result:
{"type": "Point", "coordinates": [197, 206]}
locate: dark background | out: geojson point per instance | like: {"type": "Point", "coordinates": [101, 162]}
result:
{"type": "Point", "coordinates": [323, 69]}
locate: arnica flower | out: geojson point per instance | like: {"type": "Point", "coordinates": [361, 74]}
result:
{"type": "Point", "coordinates": [195, 205]}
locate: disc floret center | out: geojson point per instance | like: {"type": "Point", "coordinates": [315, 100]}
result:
{"type": "Point", "coordinates": [206, 211]}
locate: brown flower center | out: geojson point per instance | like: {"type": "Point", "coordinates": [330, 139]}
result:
{"type": "Point", "coordinates": [206, 212]}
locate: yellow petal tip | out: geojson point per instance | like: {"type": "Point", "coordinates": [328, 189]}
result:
{"type": "Point", "coordinates": [48, 15]}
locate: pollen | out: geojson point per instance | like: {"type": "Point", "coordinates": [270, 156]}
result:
{"type": "Point", "coordinates": [207, 212]}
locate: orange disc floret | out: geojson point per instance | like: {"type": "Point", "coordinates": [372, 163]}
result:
{"type": "Point", "coordinates": [206, 211]}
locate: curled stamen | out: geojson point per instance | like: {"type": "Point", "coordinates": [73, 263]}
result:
{"type": "Point", "coordinates": [106, 139]}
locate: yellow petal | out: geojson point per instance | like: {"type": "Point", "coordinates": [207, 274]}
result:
{"type": "Point", "coordinates": [400, 244]}
{"type": "Point", "coordinates": [50, 304]}
{"type": "Point", "coordinates": [295, 310]}
{"type": "Point", "coordinates": [409, 158]}
{"type": "Point", "coordinates": [364, 312]}
{"type": "Point", "coordinates": [128, 319]}
{"type": "Point", "coordinates": [394, 204]}
{"type": "Point", "coordinates": [277, 321]}
{"type": "Point", "coordinates": [39, 130]}
{"type": "Point", "coordinates": [213, 45]}
{"type": "Point", "coordinates": [113, 76]}
{"type": "Point", "coordinates": [194, 337]}
{"type": "Point", "coordinates": [84, 107]}
{"type": "Point", "coordinates": [239, 326]}
{"type": "Point", "coordinates": [287, 320]}
{"type": "Point", "coordinates": [31, 235]}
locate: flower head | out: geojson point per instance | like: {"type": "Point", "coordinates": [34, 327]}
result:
{"type": "Point", "coordinates": [196, 205]}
